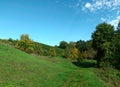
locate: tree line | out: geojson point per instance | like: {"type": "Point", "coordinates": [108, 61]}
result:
{"type": "Point", "coordinates": [26, 44]}
{"type": "Point", "coordinates": [79, 50]}
{"type": "Point", "coordinates": [103, 47]}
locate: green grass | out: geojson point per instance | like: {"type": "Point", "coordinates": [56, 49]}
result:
{"type": "Point", "coordinates": [19, 69]}
{"type": "Point", "coordinates": [22, 70]}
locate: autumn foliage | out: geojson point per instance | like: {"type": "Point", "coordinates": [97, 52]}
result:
{"type": "Point", "coordinates": [25, 44]}
{"type": "Point", "coordinates": [52, 52]}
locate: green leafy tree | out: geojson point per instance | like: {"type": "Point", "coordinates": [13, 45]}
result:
{"type": "Point", "coordinates": [72, 44]}
{"type": "Point", "coordinates": [116, 48]}
{"type": "Point", "coordinates": [107, 54]}
{"type": "Point", "coordinates": [101, 37]}
{"type": "Point", "coordinates": [63, 44]}
{"type": "Point", "coordinates": [38, 48]}
{"type": "Point", "coordinates": [68, 52]}
{"type": "Point", "coordinates": [81, 45]}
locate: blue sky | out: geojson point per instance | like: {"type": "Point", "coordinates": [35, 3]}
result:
{"type": "Point", "coordinates": [51, 21]}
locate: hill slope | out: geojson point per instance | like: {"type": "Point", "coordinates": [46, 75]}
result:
{"type": "Point", "coordinates": [22, 70]}
{"type": "Point", "coordinates": [18, 69]}
{"type": "Point", "coordinates": [45, 48]}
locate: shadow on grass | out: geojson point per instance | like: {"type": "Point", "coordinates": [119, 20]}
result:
{"type": "Point", "coordinates": [85, 64]}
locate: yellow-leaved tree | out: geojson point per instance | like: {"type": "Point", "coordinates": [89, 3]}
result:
{"type": "Point", "coordinates": [76, 54]}
{"type": "Point", "coordinates": [52, 52]}
{"type": "Point", "coordinates": [25, 44]}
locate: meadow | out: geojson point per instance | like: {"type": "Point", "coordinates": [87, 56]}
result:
{"type": "Point", "coordinates": [19, 69]}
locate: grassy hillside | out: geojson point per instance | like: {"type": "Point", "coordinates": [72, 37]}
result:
{"type": "Point", "coordinates": [19, 69]}
{"type": "Point", "coordinates": [45, 48]}
{"type": "Point", "coordinates": [22, 70]}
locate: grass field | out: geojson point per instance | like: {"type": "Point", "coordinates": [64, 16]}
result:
{"type": "Point", "coordinates": [19, 69]}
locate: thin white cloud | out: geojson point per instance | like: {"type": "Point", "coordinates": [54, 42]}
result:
{"type": "Point", "coordinates": [105, 5]}
{"type": "Point", "coordinates": [114, 21]}
{"type": "Point", "coordinates": [102, 4]}
{"type": "Point", "coordinates": [88, 5]}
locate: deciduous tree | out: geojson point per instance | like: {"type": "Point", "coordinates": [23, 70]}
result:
{"type": "Point", "coordinates": [52, 52]}
{"type": "Point", "coordinates": [63, 44]}
{"type": "Point", "coordinates": [25, 44]}
{"type": "Point", "coordinates": [116, 48]}
{"type": "Point", "coordinates": [101, 37]}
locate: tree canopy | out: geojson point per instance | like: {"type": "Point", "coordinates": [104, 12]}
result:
{"type": "Point", "coordinates": [63, 44]}
{"type": "Point", "coordinates": [101, 40]}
